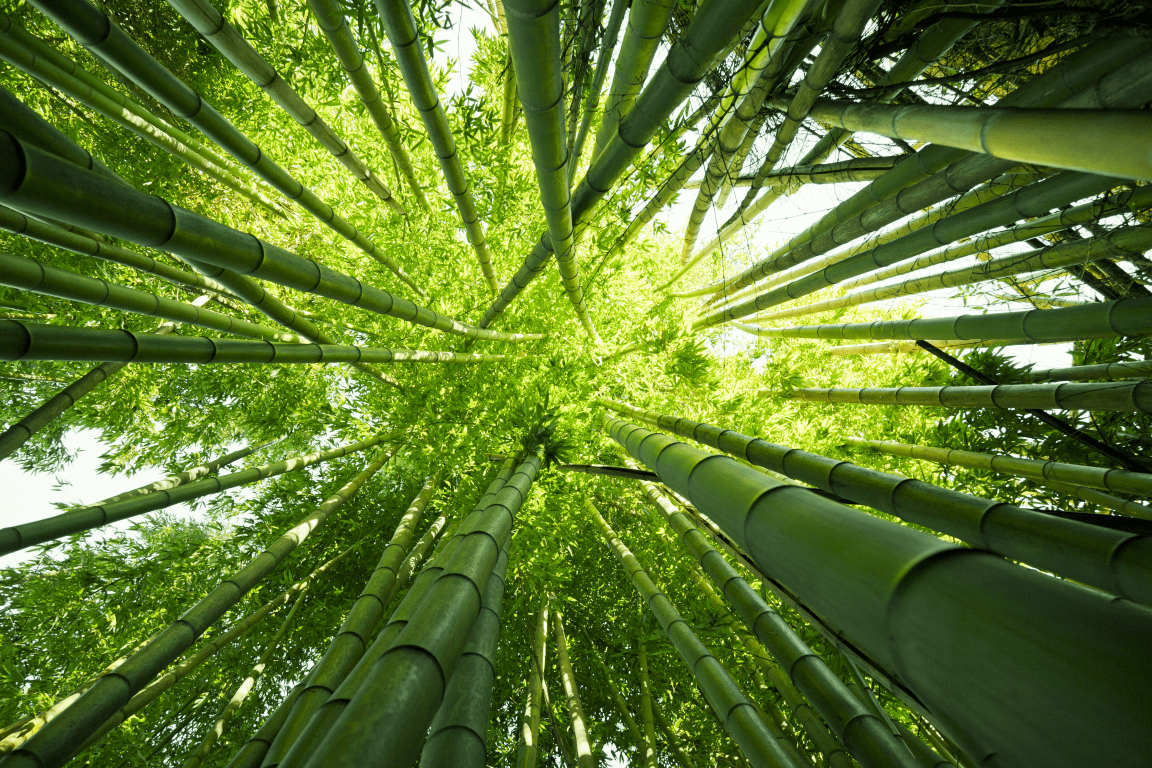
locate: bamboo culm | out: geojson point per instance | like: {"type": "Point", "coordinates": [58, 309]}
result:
{"type": "Point", "coordinates": [906, 589]}
{"type": "Point", "coordinates": [529, 746]}
{"type": "Point", "coordinates": [584, 757]}
{"type": "Point", "coordinates": [55, 742]}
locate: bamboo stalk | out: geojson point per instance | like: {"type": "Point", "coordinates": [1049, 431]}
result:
{"type": "Point", "coordinates": [584, 757]}
{"type": "Point", "coordinates": [399, 696]}
{"type": "Point", "coordinates": [736, 713]}
{"type": "Point", "coordinates": [208, 21]}
{"type": "Point", "coordinates": [1088, 554]}
{"type": "Point", "coordinates": [603, 59]}
{"type": "Point", "coordinates": [123, 212]}
{"type": "Point", "coordinates": [670, 736]}
{"type": "Point", "coordinates": [100, 34]}
{"type": "Point", "coordinates": [529, 746]}
{"type": "Point", "coordinates": [18, 537]}
{"type": "Point", "coordinates": [901, 348]}
{"type": "Point", "coordinates": [331, 20]}
{"type": "Point", "coordinates": [1124, 370]}
{"type": "Point", "coordinates": [1109, 396]}
{"type": "Point", "coordinates": [355, 633]}
{"type": "Point", "coordinates": [843, 171]}
{"type": "Point", "coordinates": [401, 27]}
{"type": "Point", "coordinates": [797, 537]}
{"type": "Point", "coordinates": [646, 716]}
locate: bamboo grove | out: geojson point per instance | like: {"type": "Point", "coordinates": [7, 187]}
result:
{"type": "Point", "coordinates": [584, 383]}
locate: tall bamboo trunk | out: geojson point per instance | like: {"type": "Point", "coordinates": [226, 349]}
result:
{"type": "Point", "coordinates": [917, 590]}
{"type": "Point", "coordinates": [529, 747]}
{"type": "Point", "coordinates": [646, 710]}
{"type": "Point", "coordinates": [584, 756]}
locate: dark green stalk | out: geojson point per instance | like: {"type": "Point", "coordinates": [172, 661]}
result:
{"type": "Point", "coordinates": [607, 46]}
{"type": "Point", "coordinates": [964, 611]}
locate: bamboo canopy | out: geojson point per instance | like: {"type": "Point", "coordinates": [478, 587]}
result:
{"type": "Point", "coordinates": [506, 555]}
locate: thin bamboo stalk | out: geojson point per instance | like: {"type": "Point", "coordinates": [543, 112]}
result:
{"type": "Point", "coordinates": [1110, 74]}
{"type": "Point", "coordinates": [22, 431]}
{"type": "Point", "coordinates": [901, 348]}
{"type": "Point", "coordinates": [621, 705]}
{"type": "Point", "coordinates": [208, 21]}
{"type": "Point", "coordinates": [584, 756]}
{"type": "Point", "coordinates": [685, 66]}
{"type": "Point", "coordinates": [534, 41]}
{"type": "Point", "coordinates": [1113, 480]}
{"type": "Point", "coordinates": [840, 172]}
{"type": "Point", "coordinates": [398, 698]}
{"type": "Point", "coordinates": [182, 478]}
{"type": "Point", "coordinates": [18, 537]}
{"type": "Point", "coordinates": [154, 689]}
{"type": "Point", "coordinates": [99, 33]}
{"type": "Point", "coordinates": [1108, 396]}
{"type": "Point", "coordinates": [906, 590]}
{"type": "Point", "coordinates": [458, 736]}
{"type": "Point", "coordinates": [670, 735]}
{"type": "Point", "coordinates": [1125, 370]}
{"type": "Point", "coordinates": [1033, 200]}
{"type": "Point", "coordinates": [119, 211]}
{"type": "Point", "coordinates": [736, 713]}
{"type": "Point", "coordinates": [1089, 554]}
{"type": "Point", "coordinates": [401, 27]}
{"type": "Point", "coordinates": [355, 633]}
{"type": "Point", "coordinates": [646, 716]}
{"type": "Point", "coordinates": [1101, 499]}
{"type": "Point", "coordinates": [865, 737]}
{"type": "Point", "coordinates": [202, 751]}
{"type": "Point", "coordinates": [603, 59]}
{"type": "Point", "coordinates": [529, 746]}
{"type": "Point", "coordinates": [1126, 317]}
{"type": "Point", "coordinates": [330, 18]}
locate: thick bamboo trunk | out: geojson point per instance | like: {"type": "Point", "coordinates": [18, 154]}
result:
{"type": "Point", "coordinates": [399, 696]}
{"type": "Point", "coordinates": [355, 633]}
{"type": "Point", "coordinates": [866, 737]}
{"type": "Point", "coordinates": [733, 708]}
{"type": "Point", "coordinates": [529, 746]}
{"type": "Point", "coordinates": [1086, 553]}
{"type": "Point", "coordinates": [1108, 396]}
{"type": "Point", "coordinates": [916, 591]}
{"type": "Point", "coordinates": [101, 35]}
{"type": "Point", "coordinates": [401, 27]}
{"type": "Point", "coordinates": [119, 211]}
{"type": "Point", "coordinates": [534, 40]}
{"type": "Point", "coordinates": [584, 756]}
{"type": "Point", "coordinates": [208, 21]}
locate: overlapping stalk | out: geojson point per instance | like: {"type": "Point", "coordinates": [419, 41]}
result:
{"type": "Point", "coordinates": [584, 757]}
{"type": "Point", "coordinates": [866, 737]}
{"type": "Point", "coordinates": [18, 537]}
{"type": "Point", "coordinates": [647, 21]}
{"type": "Point", "coordinates": [20, 340]}
{"type": "Point", "coordinates": [907, 590]}
{"type": "Point", "coordinates": [732, 707]}
{"type": "Point", "coordinates": [1114, 480]}
{"type": "Point", "coordinates": [534, 41]}
{"type": "Point", "coordinates": [646, 709]}
{"type": "Point", "coordinates": [398, 698]}
{"type": "Point", "coordinates": [330, 19]}
{"type": "Point", "coordinates": [55, 743]}
{"type": "Point", "coordinates": [16, 435]}
{"type": "Point", "coordinates": [1115, 244]}
{"type": "Point", "coordinates": [458, 736]}
{"type": "Point", "coordinates": [196, 759]}
{"type": "Point", "coordinates": [1048, 137]}
{"type": "Point", "coordinates": [37, 277]}
{"type": "Point", "coordinates": [1030, 201]}
{"type": "Point", "coordinates": [1135, 369]}
{"type": "Point", "coordinates": [93, 29]}
{"type": "Point", "coordinates": [685, 66]}
{"type": "Point", "coordinates": [208, 21]}
{"type": "Point", "coordinates": [187, 476]}
{"type": "Point", "coordinates": [529, 745]}
{"type": "Point", "coordinates": [1109, 560]}
{"type": "Point", "coordinates": [1126, 317]}
{"type": "Point", "coordinates": [929, 46]}
{"type": "Point", "coordinates": [29, 54]}
{"type": "Point", "coordinates": [840, 172]}
{"type": "Point", "coordinates": [1108, 396]}
{"type": "Point", "coordinates": [119, 211]}
{"type": "Point", "coordinates": [401, 28]}
{"type": "Point", "coordinates": [355, 633]}
{"type": "Point", "coordinates": [1110, 74]}
{"type": "Point", "coordinates": [604, 58]}
{"type": "Point", "coordinates": [760, 73]}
